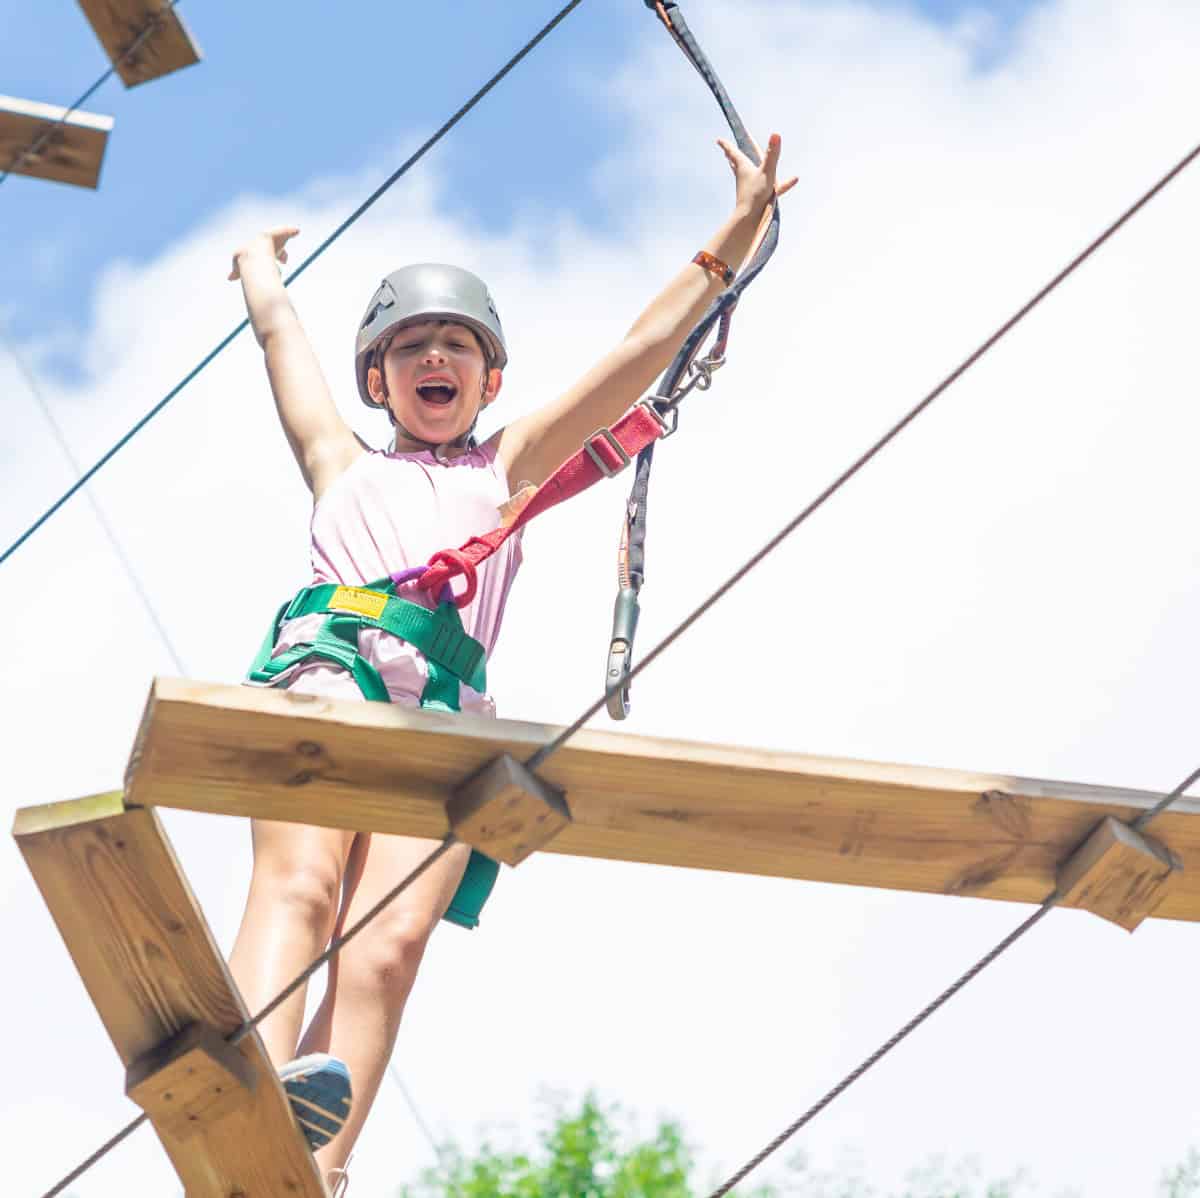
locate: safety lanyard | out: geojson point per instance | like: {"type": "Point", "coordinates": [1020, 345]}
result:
{"type": "Point", "coordinates": [610, 450]}
{"type": "Point", "coordinates": [631, 566]}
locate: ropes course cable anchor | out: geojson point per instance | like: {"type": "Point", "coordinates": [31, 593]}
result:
{"type": "Point", "coordinates": [506, 811]}
{"type": "Point", "coordinates": [1118, 873]}
{"type": "Point", "coordinates": [191, 1081]}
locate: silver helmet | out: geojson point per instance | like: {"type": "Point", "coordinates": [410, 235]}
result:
{"type": "Point", "coordinates": [427, 291]}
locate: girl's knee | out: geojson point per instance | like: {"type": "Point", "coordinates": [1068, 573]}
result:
{"type": "Point", "coordinates": [385, 958]}
{"type": "Point", "coordinates": [308, 888]}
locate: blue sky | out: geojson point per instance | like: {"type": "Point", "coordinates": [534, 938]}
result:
{"type": "Point", "coordinates": [289, 92]}
{"type": "Point", "coordinates": [986, 596]}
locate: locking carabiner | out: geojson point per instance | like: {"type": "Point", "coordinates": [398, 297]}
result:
{"type": "Point", "coordinates": [620, 653]}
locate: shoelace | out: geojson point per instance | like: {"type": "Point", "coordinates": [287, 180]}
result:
{"type": "Point", "coordinates": [339, 1179]}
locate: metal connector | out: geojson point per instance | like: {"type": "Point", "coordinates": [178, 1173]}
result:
{"type": "Point", "coordinates": [617, 448]}
{"type": "Point", "coordinates": [620, 653]}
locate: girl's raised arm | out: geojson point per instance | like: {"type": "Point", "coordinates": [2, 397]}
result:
{"type": "Point", "coordinates": [532, 446]}
{"type": "Point", "coordinates": [322, 441]}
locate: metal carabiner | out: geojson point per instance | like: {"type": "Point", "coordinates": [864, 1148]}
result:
{"type": "Point", "coordinates": [620, 653]}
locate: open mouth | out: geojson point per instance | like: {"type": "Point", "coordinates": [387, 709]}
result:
{"type": "Point", "coordinates": [439, 394]}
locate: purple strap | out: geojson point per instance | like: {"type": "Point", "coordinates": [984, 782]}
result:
{"type": "Point", "coordinates": [415, 572]}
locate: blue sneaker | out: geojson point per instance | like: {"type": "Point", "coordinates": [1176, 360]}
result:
{"type": "Point", "coordinates": [318, 1086]}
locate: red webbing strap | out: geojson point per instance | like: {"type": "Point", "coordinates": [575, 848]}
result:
{"type": "Point", "coordinates": [633, 432]}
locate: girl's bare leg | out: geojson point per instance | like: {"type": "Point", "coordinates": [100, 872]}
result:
{"type": "Point", "coordinates": [290, 912]}
{"type": "Point", "coordinates": [370, 979]}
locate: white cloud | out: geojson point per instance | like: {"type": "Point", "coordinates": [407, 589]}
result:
{"type": "Point", "coordinates": [1011, 586]}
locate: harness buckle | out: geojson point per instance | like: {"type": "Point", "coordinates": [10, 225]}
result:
{"type": "Point", "coordinates": [668, 426]}
{"type": "Point", "coordinates": [615, 445]}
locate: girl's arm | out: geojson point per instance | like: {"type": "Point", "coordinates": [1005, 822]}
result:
{"type": "Point", "coordinates": [322, 441]}
{"type": "Point", "coordinates": [533, 446]}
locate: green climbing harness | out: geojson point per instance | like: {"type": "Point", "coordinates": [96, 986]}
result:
{"type": "Point", "coordinates": [451, 656]}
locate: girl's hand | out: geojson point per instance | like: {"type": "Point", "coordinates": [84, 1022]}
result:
{"type": "Point", "coordinates": [756, 186]}
{"type": "Point", "coordinates": [271, 242]}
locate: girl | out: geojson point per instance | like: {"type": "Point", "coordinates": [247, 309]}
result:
{"type": "Point", "coordinates": [430, 352]}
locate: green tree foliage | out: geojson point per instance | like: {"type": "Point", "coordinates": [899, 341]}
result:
{"type": "Point", "coordinates": [582, 1155]}
{"type": "Point", "coordinates": [592, 1152]}
{"type": "Point", "coordinates": [1184, 1180]}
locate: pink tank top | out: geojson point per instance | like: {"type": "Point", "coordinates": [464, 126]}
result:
{"type": "Point", "coordinates": [391, 511]}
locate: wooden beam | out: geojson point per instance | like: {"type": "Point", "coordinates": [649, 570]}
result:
{"type": "Point", "coordinates": [119, 23]}
{"type": "Point", "coordinates": [68, 151]}
{"type": "Point", "coordinates": [150, 965]}
{"type": "Point", "coordinates": [268, 753]}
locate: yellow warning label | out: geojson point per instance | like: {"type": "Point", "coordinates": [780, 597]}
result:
{"type": "Point", "coordinates": [360, 601]}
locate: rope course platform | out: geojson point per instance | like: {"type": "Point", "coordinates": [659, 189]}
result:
{"type": "Point", "coordinates": [151, 965]}
{"type": "Point", "coordinates": [121, 27]}
{"type": "Point", "coordinates": [265, 753]}
{"type": "Point", "coordinates": [44, 141]}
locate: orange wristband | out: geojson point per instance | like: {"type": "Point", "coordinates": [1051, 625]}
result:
{"type": "Point", "coordinates": [714, 266]}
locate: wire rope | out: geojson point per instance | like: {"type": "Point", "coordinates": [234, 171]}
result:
{"type": "Point", "coordinates": [1048, 904]}
{"type": "Point", "coordinates": [38, 142]}
{"type": "Point", "coordinates": [404, 167]}
{"type": "Point", "coordinates": [548, 750]}
{"type": "Point", "coordinates": [105, 526]}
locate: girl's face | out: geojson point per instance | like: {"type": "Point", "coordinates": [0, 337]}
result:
{"type": "Point", "coordinates": [436, 380]}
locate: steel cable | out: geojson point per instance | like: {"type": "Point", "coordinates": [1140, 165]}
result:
{"type": "Point", "coordinates": [548, 750]}
{"type": "Point", "coordinates": [105, 525]}
{"type": "Point", "coordinates": [1048, 904]}
{"type": "Point", "coordinates": [404, 167]}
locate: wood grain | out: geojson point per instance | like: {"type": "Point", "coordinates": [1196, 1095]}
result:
{"type": "Point", "coordinates": [117, 23]}
{"type": "Point", "coordinates": [506, 812]}
{"type": "Point", "coordinates": [150, 965]}
{"type": "Point", "coordinates": [191, 1080]}
{"type": "Point", "coordinates": [1118, 874]}
{"type": "Point", "coordinates": [73, 151]}
{"type": "Point", "coordinates": [267, 753]}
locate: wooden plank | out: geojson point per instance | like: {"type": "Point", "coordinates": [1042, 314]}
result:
{"type": "Point", "coordinates": [150, 965]}
{"type": "Point", "coordinates": [119, 23]}
{"type": "Point", "coordinates": [68, 151]}
{"type": "Point", "coordinates": [1118, 874]}
{"type": "Point", "coordinates": [267, 753]}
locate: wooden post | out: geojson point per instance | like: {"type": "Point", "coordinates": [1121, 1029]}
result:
{"type": "Point", "coordinates": [506, 812]}
{"type": "Point", "coordinates": [1118, 874]}
{"type": "Point", "coordinates": [193, 1079]}
{"type": "Point", "coordinates": [151, 966]}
